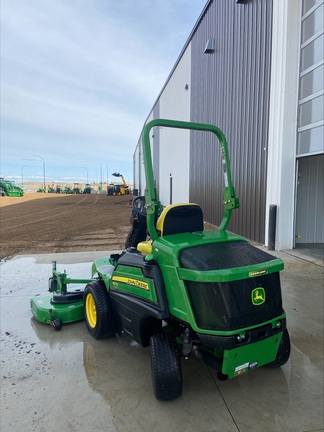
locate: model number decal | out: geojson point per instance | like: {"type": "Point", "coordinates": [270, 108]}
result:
{"type": "Point", "coordinates": [133, 282]}
{"type": "Point", "coordinates": [258, 273]}
{"type": "Point", "coordinates": [239, 370]}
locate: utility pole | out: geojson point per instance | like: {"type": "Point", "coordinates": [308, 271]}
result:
{"type": "Point", "coordinates": [43, 170]}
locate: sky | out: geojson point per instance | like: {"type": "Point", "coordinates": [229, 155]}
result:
{"type": "Point", "coordinates": [78, 80]}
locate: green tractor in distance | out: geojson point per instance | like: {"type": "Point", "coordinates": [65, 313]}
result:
{"type": "Point", "coordinates": [8, 188]}
{"type": "Point", "coordinates": [110, 189]}
{"type": "Point", "coordinates": [77, 189]}
{"type": "Point", "coordinates": [68, 190]}
{"type": "Point", "coordinates": [54, 188]}
{"type": "Point", "coordinates": [41, 190]}
{"type": "Point", "coordinates": [88, 189]}
{"type": "Point", "coordinates": [185, 291]}
{"type": "Point", "coordinates": [51, 188]}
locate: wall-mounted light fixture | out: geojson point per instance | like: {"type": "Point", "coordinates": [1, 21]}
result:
{"type": "Point", "coordinates": [210, 46]}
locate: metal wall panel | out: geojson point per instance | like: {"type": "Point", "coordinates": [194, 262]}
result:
{"type": "Point", "coordinates": [311, 94]}
{"type": "Point", "coordinates": [310, 200]}
{"type": "Point", "coordinates": [174, 104]}
{"type": "Point", "coordinates": [230, 88]}
{"type": "Point", "coordinates": [310, 174]}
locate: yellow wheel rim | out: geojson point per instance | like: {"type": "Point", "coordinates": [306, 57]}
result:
{"type": "Point", "coordinates": [91, 311]}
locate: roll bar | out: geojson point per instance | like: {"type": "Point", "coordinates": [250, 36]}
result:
{"type": "Point", "coordinates": [153, 205]}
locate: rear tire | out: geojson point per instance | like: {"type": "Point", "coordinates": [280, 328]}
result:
{"type": "Point", "coordinates": [98, 312]}
{"type": "Point", "coordinates": [283, 351]}
{"type": "Point", "coordinates": [166, 367]}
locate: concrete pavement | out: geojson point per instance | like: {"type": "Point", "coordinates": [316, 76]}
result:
{"type": "Point", "coordinates": [67, 381]}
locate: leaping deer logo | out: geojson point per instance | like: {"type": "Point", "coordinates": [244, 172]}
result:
{"type": "Point", "coordinates": [258, 296]}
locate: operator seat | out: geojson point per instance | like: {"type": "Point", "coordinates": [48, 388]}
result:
{"type": "Point", "coordinates": [180, 218]}
{"type": "Point", "coordinates": [176, 219]}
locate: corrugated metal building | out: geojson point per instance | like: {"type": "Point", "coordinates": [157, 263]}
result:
{"type": "Point", "coordinates": [254, 68]}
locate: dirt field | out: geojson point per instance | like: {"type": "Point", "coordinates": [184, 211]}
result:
{"type": "Point", "coordinates": [47, 223]}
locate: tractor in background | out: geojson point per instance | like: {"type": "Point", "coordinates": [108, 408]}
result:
{"type": "Point", "coordinates": [118, 188]}
{"type": "Point", "coordinates": [88, 189]}
{"type": "Point", "coordinates": [68, 190]}
{"type": "Point", "coordinates": [110, 189]}
{"type": "Point", "coordinates": [77, 189]}
{"type": "Point", "coordinates": [8, 188]}
{"type": "Point", "coordinates": [51, 188]}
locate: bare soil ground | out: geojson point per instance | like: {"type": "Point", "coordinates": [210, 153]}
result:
{"type": "Point", "coordinates": [50, 223]}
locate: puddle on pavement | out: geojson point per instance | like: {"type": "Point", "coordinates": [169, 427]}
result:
{"type": "Point", "coordinates": [72, 362]}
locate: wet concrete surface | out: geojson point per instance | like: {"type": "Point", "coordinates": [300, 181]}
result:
{"type": "Point", "coordinates": [67, 381]}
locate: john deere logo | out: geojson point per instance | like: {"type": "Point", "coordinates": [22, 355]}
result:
{"type": "Point", "coordinates": [129, 281]}
{"type": "Point", "coordinates": [258, 296]}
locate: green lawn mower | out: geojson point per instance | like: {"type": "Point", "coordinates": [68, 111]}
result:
{"type": "Point", "coordinates": [186, 291]}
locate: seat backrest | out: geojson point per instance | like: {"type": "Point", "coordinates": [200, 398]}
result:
{"type": "Point", "coordinates": [180, 218]}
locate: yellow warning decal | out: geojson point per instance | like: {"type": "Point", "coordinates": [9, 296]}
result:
{"type": "Point", "coordinates": [258, 273]}
{"type": "Point", "coordinates": [133, 282]}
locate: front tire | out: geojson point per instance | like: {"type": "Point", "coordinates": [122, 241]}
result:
{"type": "Point", "coordinates": [98, 312]}
{"type": "Point", "coordinates": [283, 353]}
{"type": "Point", "coordinates": [166, 367]}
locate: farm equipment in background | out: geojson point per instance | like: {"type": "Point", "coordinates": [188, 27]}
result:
{"type": "Point", "coordinates": [110, 189]}
{"type": "Point", "coordinates": [51, 188]}
{"type": "Point", "coordinates": [68, 190]}
{"type": "Point", "coordinates": [118, 188]}
{"type": "Point", "coordinates": [8, 188]}
{"type": "Point", "coordinates": [183, 290]}
{"type": "Point", "coordinates": [88, 189]}
{"type": "Point", "coordinates": [58, 189]}
{"type": "Point", "coordinates": [41, 190]}
{"type": "Point", "coordinates": [77, 189]}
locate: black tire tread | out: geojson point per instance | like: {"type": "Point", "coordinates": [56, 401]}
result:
{"type": "Point", "coordinates": [106, 325]}
{"type": "Point", "coordinates": [283, 351]}
{"type": "Point", "coordinates": [166, 367]}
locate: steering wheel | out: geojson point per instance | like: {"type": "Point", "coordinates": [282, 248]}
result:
{"type": "Point", "coordinates": [138, 204]}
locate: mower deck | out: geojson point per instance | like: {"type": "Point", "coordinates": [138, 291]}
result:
{"type": "Point", "coordinates": [46, 310]}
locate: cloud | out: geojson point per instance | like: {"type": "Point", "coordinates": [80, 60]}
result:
{"type": "Point", "coordinates": [84, 74]}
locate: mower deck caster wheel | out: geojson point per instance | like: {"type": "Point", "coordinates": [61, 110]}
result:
{"type": "Point", "coordinates": [221, 376]}
{"type": "Point", "coordinates": [56, 324]}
